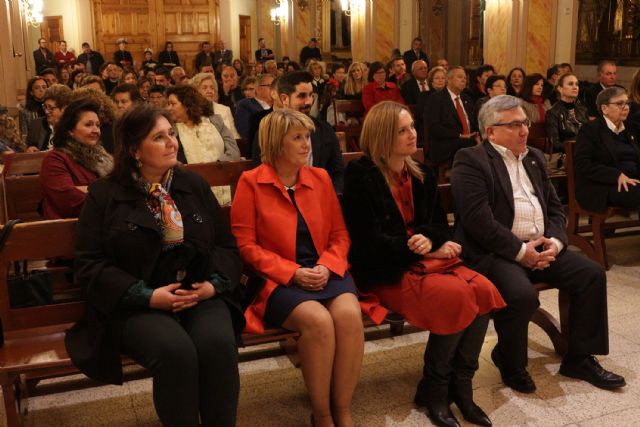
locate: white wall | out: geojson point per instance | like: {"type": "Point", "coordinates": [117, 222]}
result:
{"type": "Point", "coordinates": [408, 24]}
{"type": "Point", "coordinates": [230, 23]}
{"type": "Point", "coordinates": [566, 28]}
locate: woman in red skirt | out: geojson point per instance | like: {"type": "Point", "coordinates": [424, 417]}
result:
{"type": "Point", "coordinates": [402, 252]}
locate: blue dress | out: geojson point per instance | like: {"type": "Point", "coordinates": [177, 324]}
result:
{"type": "Point", "coordinates": [285, 298]}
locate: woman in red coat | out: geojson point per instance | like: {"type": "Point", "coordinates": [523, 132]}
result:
{"type": "Point", "coordinates": [76, 160]}
{"type": "Point", "coordinates": [402, 252]}
{"type": "Point", "coordinates": [288, 224]}
{"type": "Point", "coordinates": [379, 89]}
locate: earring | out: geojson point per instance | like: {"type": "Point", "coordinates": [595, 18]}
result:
{"type": "Point", "coordinates": [138, 163]}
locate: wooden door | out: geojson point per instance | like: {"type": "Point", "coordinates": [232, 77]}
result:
{"type": "Point", "coordinates": [52, 30]}
{"type": "Point", "coordinates": [245, 39]}
{"type": "Point", "coordinates": [151, 23]}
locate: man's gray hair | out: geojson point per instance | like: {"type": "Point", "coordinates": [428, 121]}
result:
{"type": "Point", "coordinates": [262, 77]}
{"type": "Point", "coordinates": [490, 113]}
{"type": "Point", "coordinates": [606, 95]}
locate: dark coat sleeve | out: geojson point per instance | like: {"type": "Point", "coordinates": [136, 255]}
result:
{"type": "Point", "coordinates": [472, 185]}
{"type": "Point", "coordinates": [334, 163]}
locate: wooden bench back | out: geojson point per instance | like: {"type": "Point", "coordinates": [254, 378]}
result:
{"type": "Point", "coordinates": [353, 107]}
{"type": "Point", "coordinates": [538, 137]}
{"type": "Point", "coordinates": [22, 196]}
{"type": "Point", "coordinates": [23, 163]}
{"type": "Point", "coordinates": [37, 241]}
{"type": "Point", "coordinates": [219, 174]}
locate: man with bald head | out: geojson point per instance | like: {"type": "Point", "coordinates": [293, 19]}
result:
{"type": "Point", "coordinates": [417, 84]}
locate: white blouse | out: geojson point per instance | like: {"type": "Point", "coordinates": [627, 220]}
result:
{"type": "Point", "coordinates": [201, 143]}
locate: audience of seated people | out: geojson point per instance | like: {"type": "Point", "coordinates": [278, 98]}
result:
{"type": "Point", "coordinates": [530, 244]}
{"type": "Point", "coordinates": [76, 160]}
{"type": "Point", "coordinates": [534, 103]}
{"type": "Point", "coordinates": [169, 299]}
{"type": "Point", "coordinates": [606, 157]}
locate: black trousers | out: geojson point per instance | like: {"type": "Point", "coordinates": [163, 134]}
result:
{"type": "Point", "coordinates": [193, 358]}
{"type": "Point", "coordinates": [625, 199]}
{"type": "Point", "coordinates": [586, 283]}
{"type": "Point", "coordinates": [451, 360]}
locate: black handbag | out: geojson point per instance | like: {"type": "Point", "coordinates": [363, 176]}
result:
{"type": "Point", "coordinates": [26, 288]}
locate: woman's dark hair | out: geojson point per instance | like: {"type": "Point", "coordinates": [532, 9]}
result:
{"type": "Point", "coordinates": [129, 88]}
{"type": "Point", "coordinates": [72, 77]}
{"type": "Point", "coordinates": [374, 68]}
{"type": "Point", "coordinates": [31, 103]}
{"type": "Point", "coordinates": [70, 119]}
{"type": "Point", "coordinates": [195, 104]}
{"type": "Point", "coordinates": [128, 133]}
{"type": "Point", "coordinates": [527, 87]}
{"type": "Point", "coordinates": [167, 44]}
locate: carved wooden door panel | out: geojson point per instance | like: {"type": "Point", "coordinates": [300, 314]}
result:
{"type": "Point", "coordinates": [150, 23]}
{"type": "Point", "coordinates": [52, 30]}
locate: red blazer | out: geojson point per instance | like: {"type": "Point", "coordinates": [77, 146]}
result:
{"type": "Point", "coordinates": [374, 93]}
{"type": "Point", "coordinates": [264, 220]}
{"type": "Point", "coordinates": [59, 176]}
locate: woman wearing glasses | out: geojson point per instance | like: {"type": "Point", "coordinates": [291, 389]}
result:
{"type": "Point", "coordinates": [607, 157]}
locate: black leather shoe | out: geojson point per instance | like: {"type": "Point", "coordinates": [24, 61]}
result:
{"type": "Point", "coordinates": [520, 380]}
{"type": "Point", "coordinates": [437, 410]}
{"type": "Point", "coordinates": [470, 411]}
{"type": "Point", "coordinates": [589, 370]}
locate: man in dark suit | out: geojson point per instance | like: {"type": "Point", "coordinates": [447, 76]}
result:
{"type": "Point", "coordinates": [222, 55]}
{"type": "Point", "coordinates": [415, 53]}
{"type": "Point", "coordinates": [249, 106]}
{"type": "Point", "coordinates": [295, 91]}
{"type": "Point", "coordinates": [607, 77]}
{"type": "Point", "coordinates": [398, 74]}
{"type": "Point", "coordinates": [204, 57]}
{"type": "Point", "coordinates": [417, 84]}
{"type": "Point", "coordinates": [91, 59]}
{"type": "Point", "coordinates": [310, 51]}
{"type": "Point", "coordinates": [263, 54]}
{"type": "Point", "coordinates": [449, 119]}
{"type": "Point", "coordinates": [43, 56]}
{"type": "Point", "coordinates": [512, 229]}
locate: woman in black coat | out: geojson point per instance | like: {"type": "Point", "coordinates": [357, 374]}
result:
{"type": "Point", "coordinates": [606, 157]}
{"type": "Point", "coordinates": [401, 251]}
{"type": "Point", "coordinates": [565, 118]}
{"type": "Point", "coordinates": [168, 57]}
{"type": "Point", "coordinates": [160, 269]}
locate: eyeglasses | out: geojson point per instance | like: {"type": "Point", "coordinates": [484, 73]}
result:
{"type": "Point", "coordinates": [620, 104]}
{"type": "Point", "coordinates": [50, 107]}
{"type": "Point", "coordinates": [515, 125]}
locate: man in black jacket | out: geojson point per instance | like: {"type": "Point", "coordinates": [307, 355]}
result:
{"type": "Point", "coordinates": [512, 229]}
{"type": "Point", "coordinates": [415, 53]}
{"type": "Point", "coordinates": [417, 84]}
{"type": "Point", "coordinates": [91, 59]}
{"type": "Point", "coordinates": [295, 91]}
{"type": "Point", "coordinates": [263, 54]}
{"type": "Point", "coordinates": [310, 51]}
{"type": "Point", "coordinates": [43, 56]}
{"type": "Point", "coordinates": [607, 77]}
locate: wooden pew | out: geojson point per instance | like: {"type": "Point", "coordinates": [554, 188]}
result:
{"type": "Point", "coordinates": [23, 163]}
{"type": "Point", "coordinates": [538, 137]}
{"type": "Point", "coordinates": [591, 237]}
{"type": "Point", "coordinates": [353, 108]}
{"type": "Point", "coordinates": [22, 197]}
{"type": "Point", "coordinates": [219, 174]}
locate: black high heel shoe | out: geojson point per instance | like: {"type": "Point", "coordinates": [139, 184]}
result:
{"type": "Point", "coordinates": [462, 396]}
{"type": "Point", "coordinates": [438, 410]}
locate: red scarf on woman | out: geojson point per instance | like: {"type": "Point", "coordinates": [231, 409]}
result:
{"type": "Point", "coordinates": [538, 101]}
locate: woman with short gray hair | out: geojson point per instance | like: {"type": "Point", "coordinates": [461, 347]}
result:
{"type": "Point", "coordinates": [607, 157]}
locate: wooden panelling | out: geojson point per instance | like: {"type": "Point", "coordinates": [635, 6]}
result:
{"type": "Point", "coordinates": [151, 23]}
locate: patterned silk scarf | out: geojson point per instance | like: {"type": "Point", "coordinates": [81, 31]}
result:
{"type": "Point", "coordinates": [164, 210]}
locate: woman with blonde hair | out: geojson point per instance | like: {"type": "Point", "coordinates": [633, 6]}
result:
{"type": "Point", "coordinates": [634, 93]}
{"type": "Point", "coordinates": [437, 79]}
{"type": "Point", "coordinates": [301, 252]}
{"type": "Point", "coordinates": [208, 87]}
{"type": "Point", "coordinates": [355, 82]}
{"type": "Point", "coordinates": [402, 252]}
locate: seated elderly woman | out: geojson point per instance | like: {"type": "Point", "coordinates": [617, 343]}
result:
{"type": "Point", "coordinates": [208, 87]}
{"type": "Point", "coordinates": [606, 157]}
{"type": "Point", "coordinates": [301, 251]}
{"type": "Point", "coordinates": [402, 252]}
{"type": "Point", "coordinates": [379, 89]}
{"type": "Point", "coordinates": [161, 269]}
{"type": "Point", "coordinates": [76, 160]}
{"type": "Point", "coordinates": [40, 136]}
{"type": "Point", "coordinates": [202, 136]}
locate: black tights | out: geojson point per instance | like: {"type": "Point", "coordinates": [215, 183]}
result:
{"type": "Point", "coordinates": [194, 362]}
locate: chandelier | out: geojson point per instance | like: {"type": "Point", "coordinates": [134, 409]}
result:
{"type": "Point", "coordinates": [280, 12]}
{"type": "Point", "coordinates": [32, 10]}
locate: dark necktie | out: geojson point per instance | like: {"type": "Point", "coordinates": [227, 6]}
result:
{"type": "Point", "coordinates": [423, 86]}
{"type": "Point", "coordinates": [462, 117]}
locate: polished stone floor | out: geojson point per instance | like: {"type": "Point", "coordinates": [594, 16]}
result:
{"type": "Point", "coordinates": [273, 393]}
